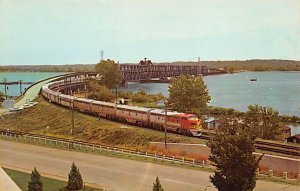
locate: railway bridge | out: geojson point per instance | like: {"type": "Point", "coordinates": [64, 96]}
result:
{"type": "Point", "coordinates": [133, 72]}
{"type": "Point", "coordinates": [145, 73]}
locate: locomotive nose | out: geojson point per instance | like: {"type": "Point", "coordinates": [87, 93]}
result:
{"type": "Point", "coordinates": [195, 124]}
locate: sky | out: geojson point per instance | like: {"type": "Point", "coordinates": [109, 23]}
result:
{"type": "Point", "coordinates": [40, 32]}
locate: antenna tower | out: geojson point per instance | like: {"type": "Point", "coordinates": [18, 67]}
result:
{"type": "Point", "coordinates": [102, 53]}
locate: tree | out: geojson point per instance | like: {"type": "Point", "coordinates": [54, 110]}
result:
{"type": "Point", "coordinates": [75, 181]}
{"type": "Point", "coordinates": [231, 70]}
{"type": "Point", "coordinates": [264, 122]}
{"type": "Point", "coordinates": [110, 73]}
{"type": "Point", "coordinates": [99, 92]}
{"type": "Point", "coordinates": [35, 183]}
{"type": "Point", "coordinates": [188, 94]}
{"type": "Point", "coordinates": [232, 154]}
{"type": "Point", "coordinates": [157, 185]}
{"type": "Point", "coordinates": [1, 96]}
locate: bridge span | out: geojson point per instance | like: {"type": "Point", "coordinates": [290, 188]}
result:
{"type": "Point", "coordinates": [139, 73]}
{"type": "Point", "coordinates": [150, 73]}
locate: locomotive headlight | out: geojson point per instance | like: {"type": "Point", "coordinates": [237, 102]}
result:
{"type": "Point", "coordinates": [195, 122]}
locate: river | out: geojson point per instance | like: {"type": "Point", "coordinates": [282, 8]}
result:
{"type": "Point", "coordinates": [280, 90]}
{"type": "Point", "coordinates": [14, 90]}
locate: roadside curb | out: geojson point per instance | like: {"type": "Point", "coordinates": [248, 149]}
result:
{"type": "Point", "coordinates": [6, 183]}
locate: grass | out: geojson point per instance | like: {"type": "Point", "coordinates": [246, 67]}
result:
{"type": "Point", "coordinates": [279, 180]}
{"type": "Point", "coordinates": [49, 184]}
{"type": "Point", "coordinates": [50, 119]}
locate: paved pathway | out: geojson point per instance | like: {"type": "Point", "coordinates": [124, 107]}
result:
{"type": "Point", "coordinates": [112, 173]}
{"type": "Point", "coordinates": [32, 92]}
{"type": "Point", "coordinates": [6, 183]}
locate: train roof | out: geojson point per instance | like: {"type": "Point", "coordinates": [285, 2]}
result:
{"type": "Point", "coordinates": [162, 111]}
{"type": "Point", "coordinates": [66, 96]}
{"type": "Point", "coordinates": [134, 108]}
{"type": "Point", "coordinates": [83, 99]}
{"type": "Point", "coordinates": [53, 92]}
{"type": "Point", "coordinates": [170, 113]}
{"type": "Point", "coordinates": [103, 103]}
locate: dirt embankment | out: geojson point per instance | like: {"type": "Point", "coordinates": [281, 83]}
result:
{"type": "Point", "coordinates": [49, 119]}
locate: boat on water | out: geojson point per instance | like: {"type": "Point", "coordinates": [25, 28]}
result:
{"type": "Point", "coordinates": [253, 79]}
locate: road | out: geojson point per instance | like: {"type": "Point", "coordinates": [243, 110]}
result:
{"type": "Point", "coordinates": [33, 92]}
{"type": "Point", "coordinates": [29, 95]}
{"type": "Point", "coordinates": [112, 173]}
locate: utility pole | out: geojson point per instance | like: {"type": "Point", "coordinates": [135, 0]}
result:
{"type": "Point", "coordinates": [166, 114]}
{"type": "Point", "coordinates": [102, 54]}
{"type": "Point", "coordinates": [20, 87]}
{"type": "Point", "coordinates": [70, 87]}
{"type": "Point", "coordinates": [116, 94]}
{"type": "Point", "coordinates": [5, 88]}
{"type": "Point", "coordinates": [264, 121]}
{"type": "Point", "coordinates": [73, 126]}
{"type": "Point", "coordinates": [198, 68]}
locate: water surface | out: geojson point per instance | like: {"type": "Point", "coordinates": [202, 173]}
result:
{"type": "Point", "coordinates": [14, 90]}
{"type": "Point", "coordinates": [280, 90]}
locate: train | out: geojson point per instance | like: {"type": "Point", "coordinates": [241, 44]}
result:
{"type": "Point", "coordinates": [158, 119]}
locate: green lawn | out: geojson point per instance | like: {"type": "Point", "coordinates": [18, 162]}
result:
{"type": "Point", "coordinates": [21, 179]}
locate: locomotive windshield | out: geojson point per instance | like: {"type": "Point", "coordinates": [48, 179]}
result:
{"type": "Point", "coordinates": [194, 117]}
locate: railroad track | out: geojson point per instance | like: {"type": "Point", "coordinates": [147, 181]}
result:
{"type": "Point", "coordinates": [292, 147]}
{"type": "Point", "coordinates": [262, 146]}
{"type": "Point", "coordinates": [288, 150]}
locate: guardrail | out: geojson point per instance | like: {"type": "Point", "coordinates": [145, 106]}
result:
{"type": "Point", "coordinates": [62, 75]}
{"type": "Point", "coordinates": [84, 146]}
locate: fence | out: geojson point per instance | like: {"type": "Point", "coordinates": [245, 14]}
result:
{"type": "Point", "coordinates": [83, 146]}
{"type": "Point", "coordinates": [96, 148]}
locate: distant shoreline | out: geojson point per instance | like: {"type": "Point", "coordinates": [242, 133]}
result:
{"type": "Point", "coordinates": [233, 66]}
{"type": "Point", "coordinates": [236, 71]}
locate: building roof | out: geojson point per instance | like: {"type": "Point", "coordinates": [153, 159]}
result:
{"type": "Point", "coordinates": [285, 127]}
{"type": "Point", "coordinates": [297, 136]}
